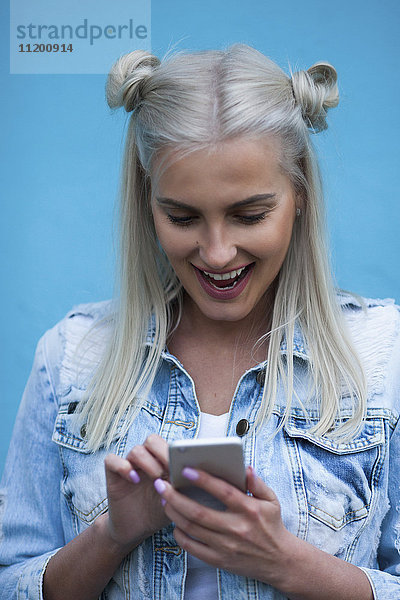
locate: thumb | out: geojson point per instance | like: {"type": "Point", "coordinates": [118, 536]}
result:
{"type": "Point", "coordinates": [257, 487]}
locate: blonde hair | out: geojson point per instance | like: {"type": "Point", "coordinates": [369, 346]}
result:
{"type": "Point", "coordinates": [189, 102]}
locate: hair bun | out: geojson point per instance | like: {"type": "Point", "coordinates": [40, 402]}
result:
{"type": "Point", "coordinates": [127, 77]}
{"type": "Point", "coordinates": [315, 90]}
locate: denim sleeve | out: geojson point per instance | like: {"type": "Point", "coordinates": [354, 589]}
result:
{"type": "Point", "coordinates": [386, 581]}
{"type": "Point", "coordinates": [30, 526]}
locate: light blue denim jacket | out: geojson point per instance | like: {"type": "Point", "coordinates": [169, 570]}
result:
{"type": "Point", "coordinates": [343, 498]}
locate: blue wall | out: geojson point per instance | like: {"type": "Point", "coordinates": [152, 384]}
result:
{"type": "Point", "coordinates": [61, 148]}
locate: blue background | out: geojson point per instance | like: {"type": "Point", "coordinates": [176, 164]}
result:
{"type": "Point", "coordinates": [61, 149]}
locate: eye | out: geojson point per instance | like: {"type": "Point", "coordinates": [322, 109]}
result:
{"type": "Point", "coordinates": [252, 219]}
{"type": "Point", "coordinates": [180, 221]}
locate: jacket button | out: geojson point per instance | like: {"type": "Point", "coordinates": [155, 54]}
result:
{"type": "Point", "coordinates": [242, 427]}
{"type": "Point", "coordinates": [83, 431]}
{"type": "Point", "coordinates": [72, 407]}
{"type": "Point", "coordinates": [260, 377]}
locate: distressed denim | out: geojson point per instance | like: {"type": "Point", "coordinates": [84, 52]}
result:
{"type": "Point", "coordinates": [342, 497]}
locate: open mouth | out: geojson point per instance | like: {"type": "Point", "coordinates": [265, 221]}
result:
{"type": "Point", "coordinates": [225, 286]}
{"type": "Point", "coordinates": [226, 281]}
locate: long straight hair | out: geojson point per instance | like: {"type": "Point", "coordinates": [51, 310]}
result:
{"type": "Point", "coordinates": [190, 102]}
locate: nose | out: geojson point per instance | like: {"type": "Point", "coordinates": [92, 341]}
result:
{"type": "Point", "coordinates": [217, 249]}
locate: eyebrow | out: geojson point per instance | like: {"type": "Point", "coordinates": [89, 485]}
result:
{"type": "Point", "coordinates": [251, 200]}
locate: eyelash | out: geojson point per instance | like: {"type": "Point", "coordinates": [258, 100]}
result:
{"type": "Point", "coordinates": [181, 221]}
{"type": "Point", "coordinates": [245, 220]}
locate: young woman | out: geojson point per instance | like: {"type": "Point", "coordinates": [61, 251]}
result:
{"type": "Point", "coordinates": [227, 323]}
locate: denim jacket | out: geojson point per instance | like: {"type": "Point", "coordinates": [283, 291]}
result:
{"type": "Point", "coordinates": [342, 497]}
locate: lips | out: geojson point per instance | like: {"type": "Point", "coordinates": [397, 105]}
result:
{"type": "Point", "coordinates": [224, 286]}
{"type": "Point", "coordinates": [224, 280]}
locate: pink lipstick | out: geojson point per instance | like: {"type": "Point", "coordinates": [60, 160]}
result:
{"type": "Point", "coordinates": [226, 289]}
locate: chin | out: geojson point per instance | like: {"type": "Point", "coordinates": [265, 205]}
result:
{"type": "Point", "coordinates": [225, 313]}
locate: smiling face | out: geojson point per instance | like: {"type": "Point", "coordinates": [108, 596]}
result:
{"type": "Point", "coordinates": [225, 220]}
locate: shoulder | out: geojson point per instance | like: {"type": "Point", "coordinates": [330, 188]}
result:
{"type": "Point", "coordinates": [73, 347]}
{"type": "Point", "coordinates": [374, 328]}
{"type": "Point", "coordinates": [366, 317]}
{"type": "Point", "coordinates": [83, 318]}
{"type": "Point", "coordinates": [92, 310]}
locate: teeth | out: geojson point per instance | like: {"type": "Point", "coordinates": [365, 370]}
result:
{"type": "Point", "coordinates": [223, 276]}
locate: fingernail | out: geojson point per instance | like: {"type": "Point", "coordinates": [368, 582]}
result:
{"type": "Point", "coordinates": [190, 473]}
{"type": "Point", "coordinates": [134, 476]}
{"type": "Point", "coordinates": [163, 501]}
{"type": "Point", "coordinates": [253, 471]}
{"type": "Point", "coordinates": [160, 486]}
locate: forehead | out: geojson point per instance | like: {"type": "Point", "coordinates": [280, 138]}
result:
{"type": "Point", "coordinates": [240, 162]}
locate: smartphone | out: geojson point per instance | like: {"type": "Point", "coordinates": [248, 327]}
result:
{"type": "Point", "coordinates": [222, 457]}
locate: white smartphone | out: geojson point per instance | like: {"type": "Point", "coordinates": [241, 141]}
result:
{"type": "Point", "coordinates": [222, 457]}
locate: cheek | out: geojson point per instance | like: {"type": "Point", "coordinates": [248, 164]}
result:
{"type": "Point", "coordinates": [174, 245]}
{"type": "Point", "coordinates": [164, 234]}
{"type": "Point", "coordinates": [275, 246]}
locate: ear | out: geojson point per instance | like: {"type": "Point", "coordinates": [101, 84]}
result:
{"type": "Point", "coordinates": [300, 204]}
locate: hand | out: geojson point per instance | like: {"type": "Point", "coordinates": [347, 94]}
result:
{"type": "Point", "coordinates": [134, 509]}
{"type": "Point", "coordinates": [249, 538]}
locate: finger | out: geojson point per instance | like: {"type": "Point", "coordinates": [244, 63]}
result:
{"type": "Point", "coordinates": [188, 509]}
{"type": "Point", "coordinates": [190, 527]}
{"type": "Point", "coordinates": [116, 465]}
{"type": "Point", "coordinates": [227, 493]}
{"type": "Point", "coordinates": [141, 459]}
{"type": "Point", "coordinates": [196, 548]}
{"type": "Point", "coordinates": [258, 487]}
{"type": "Point", "coordinates": [158, 448]}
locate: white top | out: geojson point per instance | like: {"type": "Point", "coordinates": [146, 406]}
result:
{"type": "Point", "coordinates": [201, 579]}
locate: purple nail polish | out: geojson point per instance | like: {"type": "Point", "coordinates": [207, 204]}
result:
{"type": "Point", "coordinates": [160, 486]}
{"type": "Point", "coordinates": [134, 476]}
{"type": "Point", "coordinates": [190, 473]}
{"type": "Point", "coordinates": [163, 501]}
